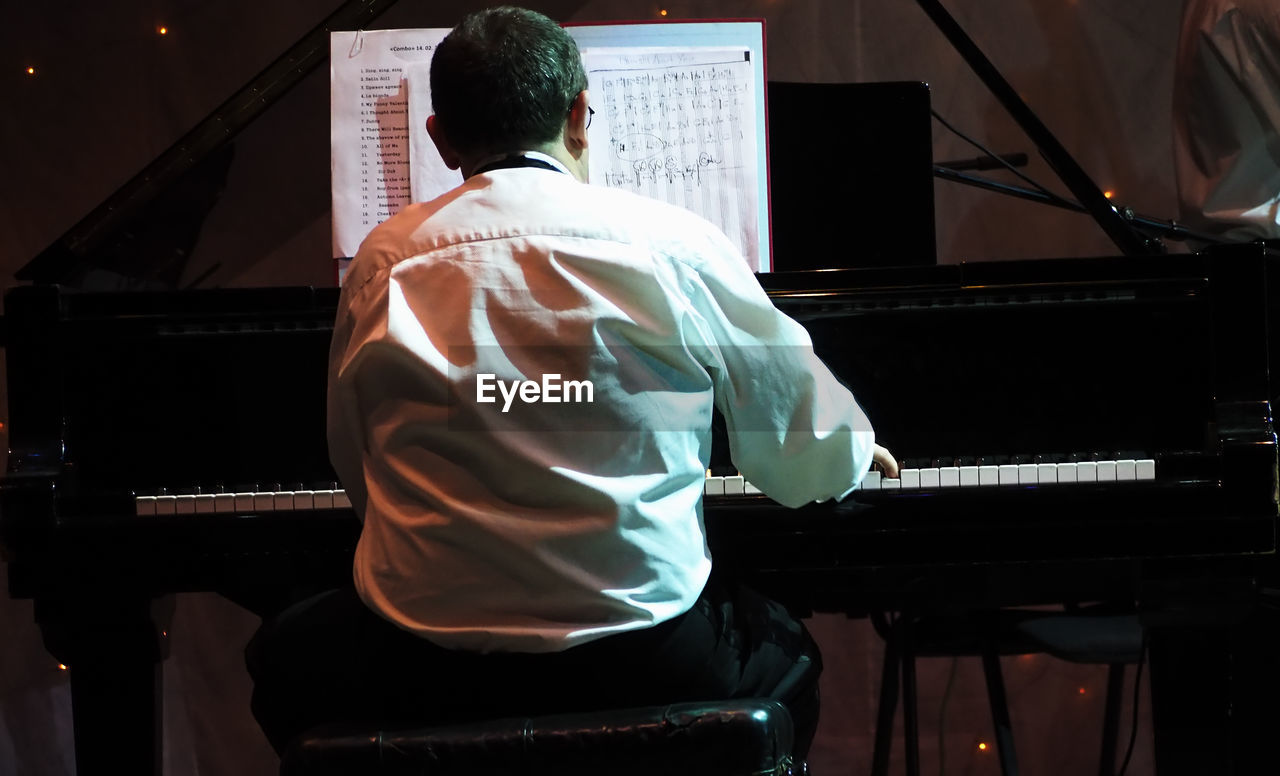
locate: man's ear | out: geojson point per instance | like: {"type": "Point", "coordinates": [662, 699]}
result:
{"type": "Point", "coordinates": [450, 157]}
{"type": "Point", "coordinates": [575, 130]}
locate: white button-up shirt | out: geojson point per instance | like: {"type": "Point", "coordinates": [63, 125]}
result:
{"type": "Point", "coordinates": [521, 386]}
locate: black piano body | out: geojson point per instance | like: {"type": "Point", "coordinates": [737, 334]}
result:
{"type": "Point", "coordinates": [1164, 358]}
{"type": "Point", "coordinates": [119, 396]}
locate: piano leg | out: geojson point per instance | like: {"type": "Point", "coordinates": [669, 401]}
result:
{"type": "Point", "coordinates": [1255, 712]}
{"type": "Point", "coordinates": [1191, 700]}
{"type": "Point", "coordinates": [1213, 696]}
{"type": "Point", "coordinates": [113, 647]}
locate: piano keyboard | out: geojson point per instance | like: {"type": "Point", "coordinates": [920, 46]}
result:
{"type": "Point", "coordinates": [977, 476]}
{"type": "Point", "coordinates": [932, 478]}
{"type": "Point", "coordinates": [231, 503]}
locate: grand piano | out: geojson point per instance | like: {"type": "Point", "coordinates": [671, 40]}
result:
{"type": "Point", "coordinates": [1151, 373]}
{"type": "Point", "coordinates": [1076, 430]}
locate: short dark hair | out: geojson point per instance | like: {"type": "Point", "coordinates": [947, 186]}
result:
{"type": "Point", "coordinates": [504, 80]}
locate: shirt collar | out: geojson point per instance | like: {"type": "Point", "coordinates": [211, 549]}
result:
{"type": "Point", "coordinates": [551, 160]}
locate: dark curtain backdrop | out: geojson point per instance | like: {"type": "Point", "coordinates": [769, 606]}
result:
{"type": "Point", "coordinates": [110, 93]}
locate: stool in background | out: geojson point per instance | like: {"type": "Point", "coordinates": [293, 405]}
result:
{"type": "Point", "coordinates": [720, 738]}
{"type": "Point", "coordinates": [1095, 635]}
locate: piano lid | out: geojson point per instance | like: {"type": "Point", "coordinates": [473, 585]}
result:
{"type": "Point", "coordinates": [144, 233]}
{"type": "Point", "coordinates": [1118, 226]}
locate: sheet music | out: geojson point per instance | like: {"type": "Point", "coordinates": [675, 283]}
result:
{"type": "Point", "coordinates": [370, 127]}
{"type": "Point", "coordinates": [693, 91]}
{"type": "Point", "coordinates": [680, 125]}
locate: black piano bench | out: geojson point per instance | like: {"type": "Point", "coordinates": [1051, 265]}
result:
{"type": "Point", "coordinates": [724, 738]}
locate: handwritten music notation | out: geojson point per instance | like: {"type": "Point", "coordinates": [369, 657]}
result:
{"type": "Point", "coordinates": [653, 168]}
{"type": "Point", "coordinates": [672, 124]}
{"type": "Point", "coordinates": [681, 127]}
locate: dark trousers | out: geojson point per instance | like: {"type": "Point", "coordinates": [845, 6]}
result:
{"type": "Point", "coordinates": [330, 659]}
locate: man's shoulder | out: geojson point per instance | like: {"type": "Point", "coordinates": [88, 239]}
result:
{"type": "Point", "coordinates": [625, 201]}
{"type": "Point", "coordinates": [538, 203]}
{"type": "Point", "coordinates": [400, 236]}
{"type": "Point", "coordinates": [662, 225]}
{"type": "Point", "coordinates": [386, 243]}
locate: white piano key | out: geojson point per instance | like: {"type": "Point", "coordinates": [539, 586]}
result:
{"type": "Point", "coordinates": [1028, 474]}
{"type": "Point", "coordinates": [1087, 471]}
{"type": "Point", "coordinates": [205, 503]}
{"type": "Point", "coordinates": [264, 502]}
{"type": "Point", "coordinates": [184, 504]}
{"type": "Point", "coordinates": [1008, 474]}
{"type": "Point", "coordinates": [871, 481]}
{"type": "Point", "coordinates": [909, 479]}
{"type": "Point", "coordinates": [930, 478]}
{"type": "Point", "coordinates": [712, 486]}
{"type": "Point", "coordinates": [224, 502]}
{"type": "Point", "coordinates": [1046, 473]}
{"type": "Point", "coordinates": [970, 476]}
{"type": "Point", "coordinates": [890, 483]}
{"type": "Point", "coordinates": [304, 499]}
{"type": "Point", "coordinates": [750, 489]}
{"type": "Point", "coordinates": [323, 499]}
{"type": "Point", "coordinates": [1106, 471]}
{"type": "Point", "coordinates": [283, 501]}
{"type": "Point", "coordinates": [145, 505]}
{"type": "Point", "coordinates": [735, 485]}
{"type": "Point", "coordinates": [244, 502]}
{"type": "Point", "coordinates": [341, 500]}
{"type": "Point", "coordinates": [166, 505]}
{"type": "Point", "coordinates": [949, 477]}
{"type": "Point", "coordinates": [1066, 472]}
{"type": "Point", "coordinates": [1126, 470]}
{"type": "Point", "coordinates": [1145, 468]}
{"type": "Point", "coordinates": [987, 475]}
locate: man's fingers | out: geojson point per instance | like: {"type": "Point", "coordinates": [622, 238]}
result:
{"type": "Point", "coordinates": [888, 464]}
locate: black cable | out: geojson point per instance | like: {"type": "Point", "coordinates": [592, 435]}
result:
{"type": "Point", "coordinates": [1170, 229]}
{"type": "Point", "coordinates": [997, 157]}
{"type": "Point", "coordinates": [1137, 686]}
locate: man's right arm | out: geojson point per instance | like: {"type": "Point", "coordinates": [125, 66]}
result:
{"type": "Point", "coordinates": [794, 430]}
